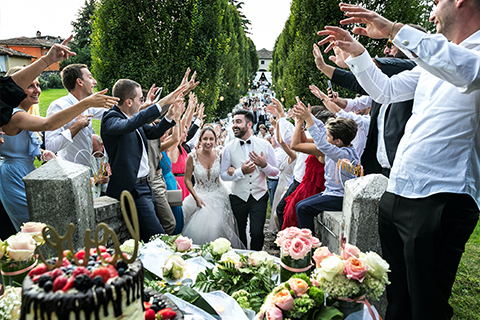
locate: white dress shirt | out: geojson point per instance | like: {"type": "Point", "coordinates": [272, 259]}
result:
{"type": "Point", "coordinates": [440, 149]}
{"type": "Point", "coordinates": [61, 142]}
{"type": "Point", "coordinates": [286, 132]}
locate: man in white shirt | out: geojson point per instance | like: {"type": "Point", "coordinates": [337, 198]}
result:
{"type": "Point", "coordinates": [432, 201]}
{"type": "Point", "coordinates": [253, 160]}
{"type": "Point", "coordinates": [73, 141]}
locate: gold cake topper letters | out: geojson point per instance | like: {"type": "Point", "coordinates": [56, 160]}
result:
{"type": "Point", "coordinates": [57, 242]}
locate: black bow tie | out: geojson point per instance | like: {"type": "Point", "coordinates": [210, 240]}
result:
{"type": "Point", "coordinates": [247, 142]}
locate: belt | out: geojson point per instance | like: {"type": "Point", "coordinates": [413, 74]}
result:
{"type": "Point", "coordinates": [142, 180]}
{"type": "Point", "coordinates": [272, 179]}
{"type": "Point", "coordinates": [179, 174]}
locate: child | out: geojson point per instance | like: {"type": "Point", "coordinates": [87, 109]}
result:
{"type": "Point", "coordinates": [334, 140]}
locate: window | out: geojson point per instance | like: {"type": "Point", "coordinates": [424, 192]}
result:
{"type": "Point", "coordinates": [262, 62]}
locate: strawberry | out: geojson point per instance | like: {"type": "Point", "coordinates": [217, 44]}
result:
{"type": "Point", "coordinates": [93, 251]}
{"type": "Point", "coordinates": [150, 314]}
{"type": "Point", "coordinates": [103, 272]}
{"type": "Point", "coordinates": [59, 283]}
{"type": "Point", "coordinates": [80, 255]}
{"type": "Point", "coordinates": [105, 256]}
{"type": "Point", "coordinates": [67, 254]}
{"type": "Point", "coordinates": [166, 313]}
{"type": "Point", "coordinates": [65, 262]}
{"type": "Point", "coordinates": [147, 305]}
{"type": "Point", "coordinates": [35, 278]}
{"type": "Point", "coordinates": [113, 271]}
{"type": "Point", "coordinates": [102, 249]}
{"type": "Point", "coordinates": [80, 270]}
{"type": "Point", "coordinates": [38, 270]}
{"type": "Point", "coordinates": [56, 273]}
{"type": "Point", "coordinates": [70, 284]}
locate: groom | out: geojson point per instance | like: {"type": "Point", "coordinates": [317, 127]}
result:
{"type": "Point", "coordinates": [253, 159]}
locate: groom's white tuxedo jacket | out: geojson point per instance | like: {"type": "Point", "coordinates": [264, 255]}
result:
{"type": "Point", "coordinates": [254, 183]}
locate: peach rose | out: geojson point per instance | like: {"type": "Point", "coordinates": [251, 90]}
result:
{"type": "Point", "coordinates": [20, 246]}
{"type": "Point", "coordinates": [183, 243]}
{"type": "Point", "coordinates": [291, 232]}
{"type": "Point", "coordinates": [315, 242]}
{"type": "Point", "coordinates": [35, 230]}
{"type": "Point", "coordinates": [355, 269]}
{"type": "Point", "coordinates": [320, 254]}
{"type": "Point", "coordinates": [273, 313]}
{"type": "Point", "coordinates": [298, 249]}
{"type": "Point", "coordinates": [349, 251]}
{"type": "Point", "coordinates": [299, 286]}
{"type": "Point", "coordinates": [284, 300]}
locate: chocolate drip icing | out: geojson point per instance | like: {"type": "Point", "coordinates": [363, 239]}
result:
{"type": "Point", "coordinates": [35, 300]}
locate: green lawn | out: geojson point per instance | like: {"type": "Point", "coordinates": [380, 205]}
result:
{"type": "Point", "coordinates": [50, 95]}
{"type": "Point", "coordinates": [465, 298]}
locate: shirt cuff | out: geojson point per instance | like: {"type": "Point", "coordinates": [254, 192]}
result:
{"type": "Point", "coordinates": [359, 63]}
{"type": "Point", "coordinates": [238, 174]}
{"type": "Point", "coordinates": [408, 39]}
{"type": "Point", "coordinates": [349, 106]}
{"type": "Point", "coordinates": [197, 122]}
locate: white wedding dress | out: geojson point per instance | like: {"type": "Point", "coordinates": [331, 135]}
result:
{"type": "Point", "coordinates": [215, 219]}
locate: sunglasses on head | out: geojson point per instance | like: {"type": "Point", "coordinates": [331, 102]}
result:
{"type": "Point", "coordinates": [389, 44]}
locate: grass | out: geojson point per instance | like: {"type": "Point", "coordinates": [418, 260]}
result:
{"type": "Point", "coordinates": [465, 298]}
{"type": "Point", "coordinates": [50, 95]}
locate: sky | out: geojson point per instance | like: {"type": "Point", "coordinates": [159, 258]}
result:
{"type": "Point", "coordinates": [53, 17]}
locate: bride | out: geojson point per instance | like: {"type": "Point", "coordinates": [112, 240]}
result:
{"type": "Point", "coordinates": [207, 211]}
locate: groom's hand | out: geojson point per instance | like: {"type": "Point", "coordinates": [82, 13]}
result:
{"type": "Point", "coordinates": [248, 167]}
{"type": "Point", "coordinates": [259, 160]}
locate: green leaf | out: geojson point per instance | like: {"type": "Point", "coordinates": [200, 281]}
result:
{"type": "Point", "coordinates": [327, 313]}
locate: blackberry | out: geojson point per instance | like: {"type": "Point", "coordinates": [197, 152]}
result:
{"type": "Point", "coordinates": [121, 264]}
{"type": "Point", "coordinates": [48, 286]}
{"type": "Point", "coordinates": [83, 282]}
{"type": "Point", "coordinates": [98, 281]}
{"type": "Point", "coordinates": [44, 279]}
{"type": "Point", "coordinates": [155, 308]}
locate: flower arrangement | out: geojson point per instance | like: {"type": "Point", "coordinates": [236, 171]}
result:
{"type": "Point", "coordinates": [352, 275]}
{"type": "Point", "coordinates": [177, 243]}
{"type": "Point", "coordinates": [10, 303]}
{"type": "Point", "coordinates": [297, 298]}
{"type": "Point", "coordinates": [296, 251]}
{"type": "Point", "coordinates": [174, 267]}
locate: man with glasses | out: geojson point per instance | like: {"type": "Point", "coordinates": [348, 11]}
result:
{"type": "Point", "coordinates": [73, 141]}
{"type": "Point", "coordinates": [125, 131]}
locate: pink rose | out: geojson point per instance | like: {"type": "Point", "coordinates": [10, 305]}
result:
{"type": "Point", "coordinates": [284, 300]}
{"type": "Point", "coordinates": [273, 313]}
{"type": "Point", "coordinates": [20, 246]}
{"type": "Point", "coordinates": [350, 251]}
{"type": "Point", "coordinates": [320, 254]}
{"type": "Point", "coordinates": [48, 155]}
{"type": "Point", "coordinates": [315, 242]}
{"type": "Point", "coordinates": [299, 286]}
{"type": "Point", "coordinates": [355, 269]}
{"type": "Point", "coordinates": [298, 249]}
{"type": "Point", "coordinates": [35, 230]}
{"type": "Point", "coordinates": [306, 241]}
{"type": "Point", "coordinates": [286, 247]}
{"type": "Point", "coordinates": [291, 232]}
{"type": "Point", "coordinates": [307, 233]}
{"type": "Point", "coordinates": [183, 243]}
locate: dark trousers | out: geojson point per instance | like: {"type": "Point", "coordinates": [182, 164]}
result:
{"type": "Point", "coordinates": [6, 227]}
{"type": "Point", "coordinates": [310, 207]}
{"type": "Point", "coordinates": [281, 205]}
{"type": "Point", "coordinates": [272, 187]}
{"type": "Point", "coordinates": [146, 206]}
{"type": "Point", "coordinates": [258, 213]}
{"type": "Point", "coordinates": [423, 241]}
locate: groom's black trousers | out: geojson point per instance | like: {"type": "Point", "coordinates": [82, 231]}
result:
{"type": "Point", "coordinates": [258, 213]}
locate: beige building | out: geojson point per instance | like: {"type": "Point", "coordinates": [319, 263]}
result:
{"type": "Point", "coordinates": [264, 59]}
{"type": "Point", "coordinates": [12, 58]}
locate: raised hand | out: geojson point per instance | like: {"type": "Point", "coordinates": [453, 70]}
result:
{"type": "Point", "coordinates": [317, 92]}
{"type": "Point", "coordinates": [173, 96]}
{"type": "Point", "coordinates": [190, 84]}
{"type": "Point", "coordinates": [341, 38]}
{"type": "Point", "coordinates": [319, 62]}
{"type": "Point", "coordinates": [151, 95]}
{"type": "Point", "coordinates": [377, 27]}
{"type": "Point", "coordinates": [339, 57]}
{"type": "Point", "coordinates": [59, 52]}
{"type": "Point", "coordinates": [100, 100]}
{"type": "Point", "coordinates": [279, 107]}
{"type": "Point", "coordinates": [301, 111]}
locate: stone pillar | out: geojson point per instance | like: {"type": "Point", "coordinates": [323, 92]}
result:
{"type": "Point", "coordinates": [59, 193]}
{"type": "Point", "coordinates": [108, 210]}
{"type": "Point", "coordinates": [360, 209]}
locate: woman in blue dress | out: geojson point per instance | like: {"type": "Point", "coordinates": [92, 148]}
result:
{"type": "Point", "coordinates": [22, 144]}
{"type": "Point", "coordinates": [171, 183]}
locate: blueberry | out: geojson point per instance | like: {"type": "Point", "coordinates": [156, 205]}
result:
{"type": "Point", "coordinates": [121, 272]}
{"type": "Point", "coordinates": [43, 279]}
{"type": "Point", "coordinates": [63, 269]}
{"type": "Point", "coordinates": [94, 257]}
{"type": "Point", "coordinates": [91, 263]}
{"type": "Point", "coordinates": [155, 308]}
{"type": "Point", "coordinates": [121, 264]}
{"type": "Point", "coordinates": [48, 286]}
{"type": "Point", "coordinates": [98, 281]}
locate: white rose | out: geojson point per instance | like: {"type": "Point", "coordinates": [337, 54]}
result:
{"type": "Point", "coordinates": [220, 246]}
{"type": "Point", "coordinates": [129, 246]}
{"type": "Point", "coordinates": [258, 257]}
{"type": "Point", "coordinates": [174, 267]}
{"type": "Point", "coordinates": [378, 266]}
{"type": "Point", "coordinates": [230, 256]}
{"type": "Point", "coordinates": [20, 246]}
{"type": "Point", "coordinates": [2, 249]}
{"type": "Point", "coordinates": [330, 267]}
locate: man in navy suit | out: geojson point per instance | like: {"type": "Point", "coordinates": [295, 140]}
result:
{"type": "Point", "coordinates": [125, 131]}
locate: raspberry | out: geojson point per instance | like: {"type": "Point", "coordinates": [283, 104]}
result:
{"type": "Point", "coordinates": [79, 271]}
{"type": "Point", "coordinates": [150, 315]}
{"type": "Point", "coordinates": [59, 283]}
{"type": "Point", "coordinates": [103, 272]}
